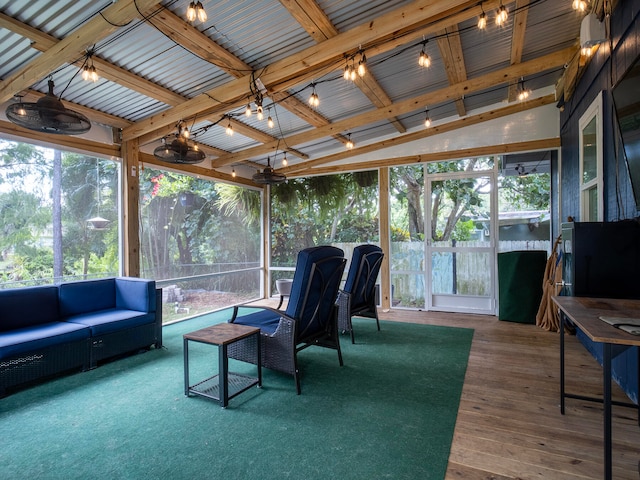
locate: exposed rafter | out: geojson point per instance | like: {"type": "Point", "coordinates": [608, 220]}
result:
{"type": "Point", "coordinates": [451, 51]}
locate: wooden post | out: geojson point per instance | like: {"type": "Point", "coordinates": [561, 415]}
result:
{"type": "Point", "coordinates": [131, 207]}
{"type": "Point", "coordinates": [385, 237]}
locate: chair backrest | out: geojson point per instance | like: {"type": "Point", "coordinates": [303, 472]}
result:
{"type": "Point", "coordinates": [363, 272]}
{"type": "Point", "coordinates": [315, 287]}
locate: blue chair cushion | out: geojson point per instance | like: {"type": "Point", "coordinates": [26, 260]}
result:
{"type": "Point", "coordinates": [25, 307]}
{"type": "Point", "coordinates": [111, 320]}
{"type": "Point", "coordinates": [358, 252]}
{"type": "Point", "coordinates": [304, 264]}
{"type": "Point", "coordinates": [87, 296]}
{"type": "Point", "coordinates": [266, 320]}
{"type": "Point", "coordinates": [32, 339]}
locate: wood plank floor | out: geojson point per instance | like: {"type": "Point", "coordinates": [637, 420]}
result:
{"type": "Point", "coordinates": [509, 424]}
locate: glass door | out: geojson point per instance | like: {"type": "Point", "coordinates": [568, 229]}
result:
{"type": "Point", "coordinates": [459, 244]}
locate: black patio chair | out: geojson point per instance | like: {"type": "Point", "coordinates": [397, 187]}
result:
{"type": "Point", "coordinates": [358, 298]}
{"type": "Point", "coordinates": [310, 317]}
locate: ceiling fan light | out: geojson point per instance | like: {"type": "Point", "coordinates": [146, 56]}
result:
{"type": "Point", "coordinates": [48, 115]}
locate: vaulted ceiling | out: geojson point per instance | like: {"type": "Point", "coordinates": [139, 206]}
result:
{"type": "Point", "coordinates": [156, 69]}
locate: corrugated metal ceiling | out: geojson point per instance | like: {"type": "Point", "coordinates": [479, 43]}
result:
{"type": "Point", "coordinates": [260, 33]}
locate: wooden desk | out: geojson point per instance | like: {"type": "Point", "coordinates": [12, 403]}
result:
{"type": "Point", "coordinates": [584, 312]}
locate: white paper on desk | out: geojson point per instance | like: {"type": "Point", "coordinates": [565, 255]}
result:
{"type": "Point", "coordinates": [629, 325]}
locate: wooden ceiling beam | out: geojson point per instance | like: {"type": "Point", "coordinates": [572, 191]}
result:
{"type": "Point", "coordinates": [546, 62]}
{"type": "Point", "coordinates": [387, 42]}
{"type": "Point", "coordinates": [450, 48]}
{"type": "Point", "coordinates": [428, 132]}
{"type": "Point", "coordinates": [315, 21]}
{"type": "Point", "coordinates": [74, 45]}
{"type": "Point", "coordinates": [500, 149]}
{"type": "Point", "coordinates": [303, 65]}
{"type": "Point", "coordinates": [252, 132]}
{"type": "Point", "coordinates": [78, 144]}
{"type": "Point", "coordinates": [517, 41]}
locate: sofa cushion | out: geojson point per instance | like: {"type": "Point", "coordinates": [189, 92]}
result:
{"type": "Point", "coordinates": [87, 296]}
{"type": "Point", "coordinates": [111, 320]}
{"type": "Point", "coordinates": [24, 307]}
{"type": "Point", "coordinates": [136, 294]}
{"type": "Point", "coordinates": [32, 339]}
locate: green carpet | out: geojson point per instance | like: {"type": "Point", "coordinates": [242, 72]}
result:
{"type": "Point", "coordinates": [388, 413]}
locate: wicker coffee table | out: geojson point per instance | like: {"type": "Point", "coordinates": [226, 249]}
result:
{"type": "Point", "coordinates": [225, 384]}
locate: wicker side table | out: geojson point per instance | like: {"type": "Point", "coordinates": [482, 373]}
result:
{"type": "Point", "coordinates": [224, 385]}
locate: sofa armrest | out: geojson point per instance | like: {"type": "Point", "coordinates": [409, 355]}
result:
{"type": "Point", "coordinates": [136, 294]}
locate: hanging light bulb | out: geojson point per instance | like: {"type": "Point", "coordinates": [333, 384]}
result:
{"type": "Point", "coordinates": [202, 14]}
{"type": "Point", "coordinates": [352, 72]}
{"type": "Point", "coordinates": [579, 5]}
{"type": "Point", "coordinates": [314, 100]}
{"type": "Point", "coordinates": [362, 65]}
{"type": "Point", "coordinates": [89, 72]}
{"type": "Point", "coordinates": [285, 162]}
{"type": "Point", "coordinates": [423, 59]}
{"type": "Point", "coordinates": [346, 75]}
{"type": "Point", "coordinates": [482, 21]}
{"type": "Point", "coordinates": [523, 94]}
{"type": "Point", "coordinates": [501, 15]}
{"type": "Point", "coordinates": [184, 131]}
{"type": "Point", "coordinates": [270, 122]}
{"type": "Point", "coordinates": [233, 172]}
{"type": "Point", "coordinates": [229, 129]}
{"type": "Point", "coordinates": [191, 12]}
{"type": "Point", "coordinates": [196, 10]}
{"type": "Point", "coordinates": [349, 143]}
{"type": "Point", "coordinates": [585, 51]}
{"type": "Point", "coordinates": [260, 112]}
{"type": "Point", "coordinates": [247, 111]}
{"type": "Point", "coordinates": [427, 120]}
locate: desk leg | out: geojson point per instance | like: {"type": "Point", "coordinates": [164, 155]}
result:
{"type": "Point", "coordinates": [223, 361]}
{"type": "Point", "coordinates": [606, 364]}
{"type": "Point", "coordinates": [185, 349]}
{"type": "Point", "coordinates": [561, 362]}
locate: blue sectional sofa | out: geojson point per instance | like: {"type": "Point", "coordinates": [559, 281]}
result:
{"type": "Point", "coordinates": [50, 329]}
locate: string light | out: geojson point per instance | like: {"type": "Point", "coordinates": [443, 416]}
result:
{"type": "Point", "coordinates": [247, 111]}
{"type": "Point", "coordinates": [260, 112]}
{"type": "Point", "coordinates": [347, 74]}
{"type": "Point", "coordinates": [233, 172]}
{"type": "Point", "coordinates": [184, 131]}
{"type": "Point", "coordinates": [89, 72]}
{"type": "Point", "coordinates": [585, 51]}
{"type": "Point", "coordinates": [349, 143]}
{"type": "Point", "coordinates": [427, 120]}
{"type": "Point", "coordinates": [270, 122]}
{"type": "Point", "coordinates": [501, 15]}
{"type": "Point", "coordinates": [314, 100]}
{"type": "Point", "coordinates": [423, 59]}
{"type": "Point", "coordinates": [285, 162]}
{"type": "Point", "coordinates": [523, 93]}
{"type": "Point", "coordinates": [362, 69]}
{"type": "Point", "coordinates": [579, 5]}
{"type": "Point", "coordinates": [196, 10]}
{"type": "Point", "coordinates": [482, 21]}
{"type": "Point", "coordinates": [229, 129]}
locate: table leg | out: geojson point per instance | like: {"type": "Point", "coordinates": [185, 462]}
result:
{"type": "Point", "coordinates": [186, 366]}
{"type": "Point", "coordinates": [259, 359]}
{"type": "Point", "coordinates": [223, 361]}
{"type": "Point", "coordinates": [607, 409]}
{"type": "Point", "coordinates": [562, 363]}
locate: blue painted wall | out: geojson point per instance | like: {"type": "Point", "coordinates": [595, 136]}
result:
{"type": "Point", "coordinates": [605, 69]}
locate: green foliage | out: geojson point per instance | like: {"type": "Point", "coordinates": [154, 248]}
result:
{"type": "Point", "coordinates": [528, 192]}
